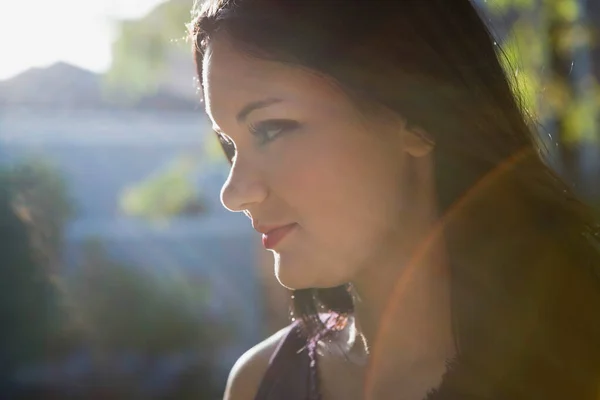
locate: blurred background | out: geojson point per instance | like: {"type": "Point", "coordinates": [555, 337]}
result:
{"type": "Point", "coordinates": [122, 276]}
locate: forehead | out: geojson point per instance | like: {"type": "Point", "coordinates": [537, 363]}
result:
{"type": "Point", "coordinates": [232, 79]}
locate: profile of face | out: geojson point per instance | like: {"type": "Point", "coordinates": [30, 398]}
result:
{"type": "Point", "coordinates": [306, 159]}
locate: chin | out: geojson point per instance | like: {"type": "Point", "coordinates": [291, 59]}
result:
{"type": "Point", "coordinates": [294, 274]}
{"type": "Point", "coordinates": [291, 277]}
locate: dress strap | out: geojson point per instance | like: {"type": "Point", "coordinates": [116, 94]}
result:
{"type": "Point", "coordinates": [291, 374]}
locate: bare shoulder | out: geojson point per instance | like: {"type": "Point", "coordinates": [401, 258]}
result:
{"type": "Point", "coordinates": [248, 371]}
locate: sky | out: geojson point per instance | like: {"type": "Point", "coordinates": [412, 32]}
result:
{"type": "Point", "coordinates": [37, 33]}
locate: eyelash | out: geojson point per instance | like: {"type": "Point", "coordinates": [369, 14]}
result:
{"type": "Point", "coordinates": [281, 126]}
{"type": "Point", "coordinates": [227, 146]}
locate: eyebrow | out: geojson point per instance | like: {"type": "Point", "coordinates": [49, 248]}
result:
{"type": "Point", "coordinates": [255, 105]}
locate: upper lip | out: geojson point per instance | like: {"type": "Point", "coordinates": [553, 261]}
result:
{"type": "Point", "coordinates": [265, 229]}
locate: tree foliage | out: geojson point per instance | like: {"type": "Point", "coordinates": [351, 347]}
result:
{"type": "Point", "coordinates": [169, 192]}
{"type": "Point", "coordinates": [41, 198]}
{"type": "Point", "coordinates": [549, 50]}
{"type": "Point", "coordinates": [142, 47]}
{"type": "Point", "coordinates": [124, 307]}
{"type": "Point", "coordinates": [547, 27]}
{"type": "Point", "coordinates": [31, 314]}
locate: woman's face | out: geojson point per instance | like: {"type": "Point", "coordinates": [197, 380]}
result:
{"type": "Point", "coordinates": [307, 160]}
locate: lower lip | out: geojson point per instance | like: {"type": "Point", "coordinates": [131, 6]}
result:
{"type": "Point", "coordinates": [271, 239]}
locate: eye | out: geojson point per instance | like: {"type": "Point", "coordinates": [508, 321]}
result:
{"type": "Point", "coordinates": [268, 130]}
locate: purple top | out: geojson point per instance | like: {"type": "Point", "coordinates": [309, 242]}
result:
{"type": "Point", "coordinates": [292, 373]}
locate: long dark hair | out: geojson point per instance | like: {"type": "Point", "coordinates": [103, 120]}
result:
{"type": "Point", "coordinates": [525, 322]}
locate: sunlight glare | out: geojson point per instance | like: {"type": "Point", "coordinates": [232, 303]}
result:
{"type": "Point", "coordinates": [37, 33]}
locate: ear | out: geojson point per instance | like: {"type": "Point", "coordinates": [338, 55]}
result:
{"type": "Point", "coordinates": [417, 142]}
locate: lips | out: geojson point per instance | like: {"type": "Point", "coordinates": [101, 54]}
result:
{"type": "Point", "coordinates": [272, 237]}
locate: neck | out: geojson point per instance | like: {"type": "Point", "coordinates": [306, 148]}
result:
{"type": "Point", "coordinates": [404, 315]}
{"type": "Point", "coordinates": [410, 307]}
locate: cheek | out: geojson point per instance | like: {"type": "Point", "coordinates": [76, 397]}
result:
{"type": "Point", "coordinates": [313, 176]}
{"type": "Point", "coordinates": [342, 192]}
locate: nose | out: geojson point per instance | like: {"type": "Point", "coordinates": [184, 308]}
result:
{"type": "Point", "coordinates": [244, 187]}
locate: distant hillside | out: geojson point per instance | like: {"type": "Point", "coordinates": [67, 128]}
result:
{"type": "Point", "coordinates": [65, 86]}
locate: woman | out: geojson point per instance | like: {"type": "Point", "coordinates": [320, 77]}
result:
{"type": "Point", "coordinates": [378, 148]}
